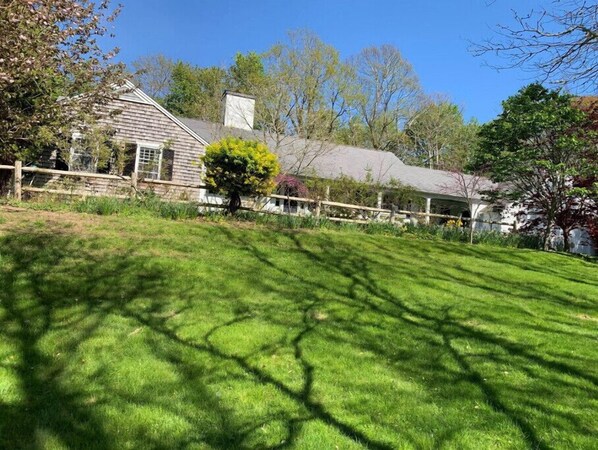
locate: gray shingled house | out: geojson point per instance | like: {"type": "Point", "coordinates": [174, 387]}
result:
{"type": "Point", "coordinates": [162, 148]}
{"type": "Point", "coordinates": [311, 158]}
{"type": "Point", "coordinates": [158, 146]}
{"type": "Point", "coordinates": [164, 151]}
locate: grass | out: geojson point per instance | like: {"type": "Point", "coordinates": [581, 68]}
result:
{"type": "Point", "coordinates": [150, 205]}
{"type": "Point", "coordinates": [139, 332]}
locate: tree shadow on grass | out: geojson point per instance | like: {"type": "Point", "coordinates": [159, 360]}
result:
{"type": "Point", "coordinates": [563, 265]}
{"type": "Point", "coordinates": [52, 284]}
{"type": "Point", "coordinates": [348, 262]}
{"type": "Point", "coordinates": [58, 283]}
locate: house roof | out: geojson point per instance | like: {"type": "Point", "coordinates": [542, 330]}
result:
{"type": "Point", "coordinates": [326, 160]}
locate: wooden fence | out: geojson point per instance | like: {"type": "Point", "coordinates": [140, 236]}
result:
{"type": "Point", "coordinates": [134, 184]}
{"type": "Point", "coordinates": [390, 213]}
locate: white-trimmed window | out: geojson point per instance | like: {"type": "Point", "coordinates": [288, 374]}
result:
{"type": "Point", "coordinates": [153, 161]}
{"type": "Point", "coordinates": [149, 161]}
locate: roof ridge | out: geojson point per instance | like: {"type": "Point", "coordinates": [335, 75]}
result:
{"type": "Point", "coordinates": [206, 122]}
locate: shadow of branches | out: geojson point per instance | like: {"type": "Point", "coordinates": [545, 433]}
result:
{"type": "Point", "coordinates": [62, 294]}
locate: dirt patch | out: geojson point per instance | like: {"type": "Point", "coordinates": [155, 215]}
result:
{"type": "Point", "coordinates": [12, 209]}
{"type": "Point", "coordinates": [52, 221]}
{"type": "Point", "coordinates": [586, 317]}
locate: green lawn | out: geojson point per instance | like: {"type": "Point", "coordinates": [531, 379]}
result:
{"type": "Point", "coordinates": [125, 332]}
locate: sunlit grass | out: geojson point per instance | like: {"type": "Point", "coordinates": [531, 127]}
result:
{"type": "Point", "coordinates": [138, 332]}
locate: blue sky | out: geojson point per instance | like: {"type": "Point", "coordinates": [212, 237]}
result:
{"type": "Point", "coordinates": [433, 35]}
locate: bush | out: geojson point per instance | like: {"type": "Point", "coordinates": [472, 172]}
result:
{"type": "Point", "coordinates": [235, 167]}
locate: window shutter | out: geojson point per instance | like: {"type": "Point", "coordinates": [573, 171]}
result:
{"type": "Point", "coordinates": [167, 164]}
{"type": "Point", "coordinates": [129, 159]}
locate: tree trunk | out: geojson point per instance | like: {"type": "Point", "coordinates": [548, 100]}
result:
{"type": "Point", "coordinates": [5, 179]}
{"type": "Point", "coordinates": [5, 175]}
{"type": "Point", "coordinates": [547, 233]}
{"type": "Point", "coordinates": [566, 240]}
{"type": "Point", "coordinates": [546, 241]}
{"type": "Point", "coordinates": [234, 202]}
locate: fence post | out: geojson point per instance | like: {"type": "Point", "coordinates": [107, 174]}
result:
{"type": "Point", "coordinates": [134, 180]}
{"type": "Point", "coordinates": [428, 209]}
{"type": "Point", "coordinates": [18, 177]}
{"type": "Point", "coordinates": [393, 211]}
{"type": "Point", "coordinates": [318, 208]}
{"type": "Point", "coordinates": [379, 200]}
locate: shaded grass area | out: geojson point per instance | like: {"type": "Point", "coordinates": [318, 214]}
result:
{"type": "Point", "coordinates": [129, 332]}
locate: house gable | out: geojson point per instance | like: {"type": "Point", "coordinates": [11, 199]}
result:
{"type": "Point", "coordinates": [136, 95]}
{"type": "Point", "coordinates": [138, 119]}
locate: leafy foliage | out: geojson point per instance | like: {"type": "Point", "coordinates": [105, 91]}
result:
{"type": "Point", "coordinates": [438, 137]}
{"type": "Point", "coordinates": [289, 185]}
{"type": "Point", "coordinates": [346, 189]}
{"type": "Point", "coordinates": [53, 72]}
{"type": "Point", "coordinates": [196, 91]}
{"type": "Point", "coordinates": [235, 167]}
{"type": "Point", "coordinates": [387, 92]}
{"type": "Point", "coordinates": [246, 74]}
{"type": "Point", "coordinates": [540, 149]}
{"type": "Point", "coordinates": [305, 94]}
{"type": "Point", "coordinates": [309, 99]}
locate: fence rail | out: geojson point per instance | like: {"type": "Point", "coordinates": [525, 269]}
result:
{"type": "Point", "coordinates": [72, 193]}
{"type": "Point", "coordinates": [66, 173]}
{"type": "Point", "coordinates": [134, 182]}
{"type": "Point", "coordinates": [173, 183]}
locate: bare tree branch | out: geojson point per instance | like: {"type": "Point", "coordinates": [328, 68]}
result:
{"type": "Point", "coordinates": [560, 44]}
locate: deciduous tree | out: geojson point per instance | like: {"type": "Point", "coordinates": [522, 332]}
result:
{"type": "Point", "coordinates": [246, 75]}
{"type": "Point", "coordinates": [53, 71]}
{"type": "Point", "coordinates": [537, 148]}
{"type": "Point", "coordinates": [438, 137]}
{"type": "Point", "coordinates": [388, 93]}
{"type": "Point", "coordinates": [196, 91]}
{"type": "Point", "coordinates": [303, 99]}
{"type": "Point", "coordinates": [468, 186]}
{"type": "Point", "coordinates": [153, 74]}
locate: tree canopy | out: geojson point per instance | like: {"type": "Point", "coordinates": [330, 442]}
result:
{"type": "Point", "coordinates": [236, 167]}
{"type": "Point", "coordinates": [196, 91]}
{"type": "Point", "coordinates": [438, 137]}
{"type": "Point", "coordinates": [153, 74]}
{"type": "Point", "coordinates": [53, 71]}
{"type": "Point", "coordinates": [388, 93]}
{"type": "Point", "coordinates": [310, 99]}
{"type": "Point", "coordinates": [541, 150]}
